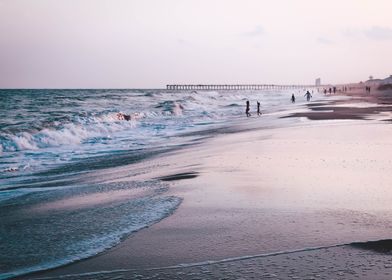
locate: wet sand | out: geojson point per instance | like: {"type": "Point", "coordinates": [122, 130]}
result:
{"type": "Point", "coordinates": [278, 203]}
{"type": "Point", "coordinates": [327, 263]}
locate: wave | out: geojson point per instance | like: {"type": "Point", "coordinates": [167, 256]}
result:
{"type": "Point", "coordinates": [171, 107]}
{"type": "Point", "coordinates": [74, 133]}
{"type": "Point", "coordinates": [65, 134]}
{"type": "Point", "coordinates": [71, 125]}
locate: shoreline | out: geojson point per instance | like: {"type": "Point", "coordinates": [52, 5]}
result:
{"type": "Point", "coordinates": [340, 262]}
{"type": "Point", "coordinates": [206, 223]}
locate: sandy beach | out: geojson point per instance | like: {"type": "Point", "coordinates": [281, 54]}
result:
{"type": "Point", "coordinates": [195, 140]}
{"type": "Point", "coordinates": [281, 202]}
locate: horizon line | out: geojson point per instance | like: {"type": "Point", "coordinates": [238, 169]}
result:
{"type": "Point", "coordinates": [162, 88]}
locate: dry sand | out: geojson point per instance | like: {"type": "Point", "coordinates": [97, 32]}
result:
{"type": "Point", "coordinates": [312, 185]}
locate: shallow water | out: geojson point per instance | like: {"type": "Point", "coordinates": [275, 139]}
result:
{"type": "Point", "coordinates": [42, 129]}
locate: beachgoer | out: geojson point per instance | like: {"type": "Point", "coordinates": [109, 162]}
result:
{"type": "Point", "coordinates": [258, 109]}
{"type": "Point", "coordinates": [123, 117]}
{"type": "Point", "coordinates": [330, 90]}
{"type": "Point", "coordinates": [247, 108]}
{"type": "Point", "coordinates": [325, 91]}
{"type": "Point", "coordinates": [308, 95]}
{"type": "Point", "coordinates": [292, 98]}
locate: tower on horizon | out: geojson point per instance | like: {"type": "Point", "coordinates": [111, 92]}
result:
{"type": "Point", "coordinates": [318, 82]}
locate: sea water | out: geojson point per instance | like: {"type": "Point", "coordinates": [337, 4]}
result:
{"type": "Point", "coordinates": [51, 140]}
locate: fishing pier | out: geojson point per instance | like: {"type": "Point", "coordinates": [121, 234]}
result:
{"type": "Point", "coordinates": [235, 87]}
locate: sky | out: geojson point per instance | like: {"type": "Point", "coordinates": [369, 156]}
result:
{"type": "Point", "coordinates": [151, 43]}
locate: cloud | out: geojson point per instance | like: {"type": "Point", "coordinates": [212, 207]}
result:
{"type": "Point", "coordinates": [182, 41]}
{"type": "Point", "coordinates": [350, 32]}
{"type": "Point", "coordinates": [257, 31]}
{"type": "Point", "coordinates": [324, 41]}
{"type": "Point", "coordinates": [379, 33]}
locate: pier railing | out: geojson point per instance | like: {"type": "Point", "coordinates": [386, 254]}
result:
{"type": "Point", "coordinates": [236, 87]}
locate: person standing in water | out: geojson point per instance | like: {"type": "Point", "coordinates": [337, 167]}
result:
{"type": "Point", "coordinates": [247, 108]}
{"type": "Point", "coordinates": [258, 109]}
{"type": "Point", "coordinates": [308, 95]}
{"type": "Point", "coordinates": [292, 98]}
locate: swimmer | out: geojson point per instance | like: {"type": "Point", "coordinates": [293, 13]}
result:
{"type": "Point", "coordinates": [247, 108]}
{"type": "Point", "coordinates": [308, 95]}
{"type": "Point", "coordinates": [123, 117]}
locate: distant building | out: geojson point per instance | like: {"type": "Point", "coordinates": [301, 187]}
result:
{"type": "Point", "coordinates": [377, 82]}
{"type": "Point", "coordinates": [387, 80]}
{"type": "Point", "coordinates": [373, 82]}
{"type": "Point", "coordinates": [318, 82]}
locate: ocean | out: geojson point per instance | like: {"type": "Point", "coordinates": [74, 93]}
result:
{"type": "Point", "coordinates": [56, 147]}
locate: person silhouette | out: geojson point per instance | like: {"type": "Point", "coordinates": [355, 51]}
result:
{"type": "Point", "coordinates": [292, 98]}
{"type": "Point", "coordinates": [247, 108]}
{"type": "Point", "coordinates": [258, 109]}
{"type": "Point", "coordinates": [308, 95]}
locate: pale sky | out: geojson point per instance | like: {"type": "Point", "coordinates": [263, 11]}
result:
{"type": "Point", "coordinates": [151, 43]}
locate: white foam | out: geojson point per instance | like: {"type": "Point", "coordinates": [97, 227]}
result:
{"type": "Point", "coordinates": [24, 141]}
{"type": "Point", "coordinates": [177, 109]}
{"type": "Point", "coordinates": [69, 134]}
